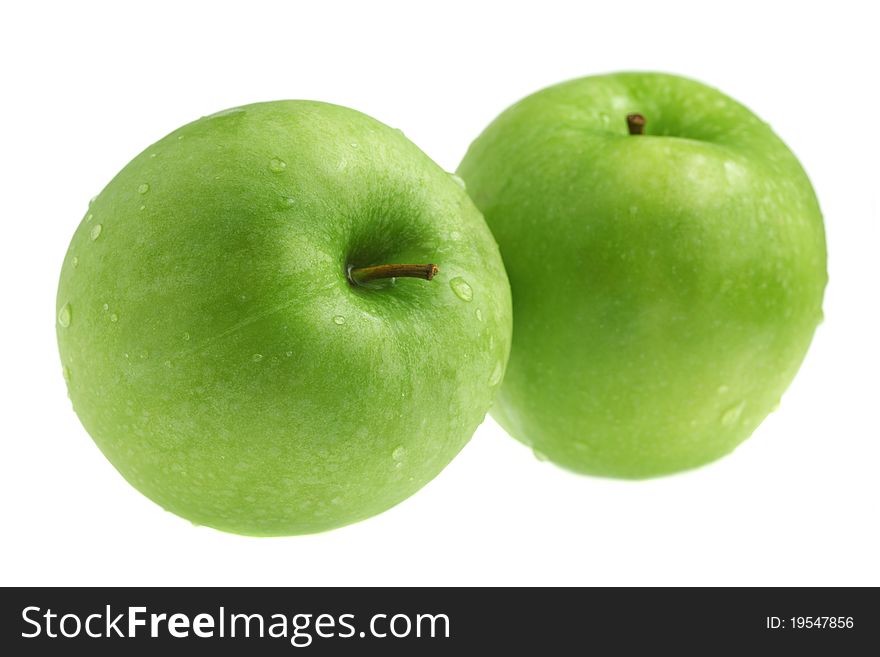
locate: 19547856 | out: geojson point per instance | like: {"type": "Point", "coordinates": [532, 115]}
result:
{"type": "Point", "coordinates": [810, 622]}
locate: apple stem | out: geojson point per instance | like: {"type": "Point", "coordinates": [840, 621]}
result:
{"type": "Point", "coordinates": [636, 124]}
{"type": "Point", "coordinates": [360, 275]}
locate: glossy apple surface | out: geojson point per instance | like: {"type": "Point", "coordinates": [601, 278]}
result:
{"type": "Point", "coordinates": [217, 352]}
{"type": "Point", "coordinates": [666, 285]}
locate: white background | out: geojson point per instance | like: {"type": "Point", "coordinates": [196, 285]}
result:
{"type": "Point", "coordinates": [86, 86]}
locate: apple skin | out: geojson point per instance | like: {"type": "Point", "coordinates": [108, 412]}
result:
{"type": "Point", "coordinates": [666, 286]}
{"type": "Point", "coordinates": [216, 352]}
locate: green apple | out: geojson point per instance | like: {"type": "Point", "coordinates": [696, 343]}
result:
{"type": "Point", "coordinates": [247, 331]}
{"type": "Point", "coordinates": [667, 259]}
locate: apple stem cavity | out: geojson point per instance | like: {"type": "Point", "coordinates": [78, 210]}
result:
{"type": "Point", "coordinates": [361, 275]}
{"type": "Point", "coordinates": [636, 124]}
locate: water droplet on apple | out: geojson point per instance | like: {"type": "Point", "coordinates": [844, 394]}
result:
{"type": "Point", "coordinates": [732, 414]}
{"type": "Point", "coordinates": [89, 217]}
{"type": "Point", "coordinates": [541, 456]}
{"type": "Point", "coordinates": [143, 188]}
{"type": "Point", "coordinates": [106, 306]}
{"type": "Point", "coordinates": [65, 372]}
{"type": "Point", "coordinates": [354, 145]}
{"type": "Point", "coordinates": [257, 358]}
{"type": "Point", "coordinates": [114, 317]}
{"type": "Point", "coordinates": [458, 180]}
{"type": "Point", "coordinates": [733, 171]}
{"type": "Point", "coordinates": [339, 320]}
{"type": "Point", "coordinates": [75, 261]}
{"type": "Point", "coordinates": [65, 315]}
{"type": "Point", "coordinates": [461, 288]}
{"type": "Point", "coordinates": [497, 373]}
{"type": "Point", "coordinates": [95, 232]}
{"type": "Point", "coordinates": [398, 455]}
{"type": "Point", "coordinates": [277, 165]}
{"type": "Point", "coordinates": [142, 208]}
{"type": "Point", "coordinates": [479, 314]}
{"type": "Point", "coordinates": [186, 335]}
{"type": "Point", "coordinates": [93, 199]}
